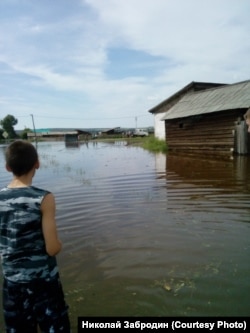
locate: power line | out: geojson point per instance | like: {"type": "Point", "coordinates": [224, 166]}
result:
{"type": "Point", "coordinates": [78, 118]}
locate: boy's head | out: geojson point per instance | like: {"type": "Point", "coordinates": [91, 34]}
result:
{"type": "Point", "coordinates": [21, 157]}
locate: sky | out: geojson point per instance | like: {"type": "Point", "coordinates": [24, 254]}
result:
{"type": "Point", "coordinates": [106, 63]}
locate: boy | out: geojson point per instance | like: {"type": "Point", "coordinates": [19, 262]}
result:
{"type": "Point", "coordinates": [32, 291]}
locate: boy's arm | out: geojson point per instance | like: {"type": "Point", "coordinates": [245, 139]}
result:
{"type": "Point", "coordinates": [52, 243]}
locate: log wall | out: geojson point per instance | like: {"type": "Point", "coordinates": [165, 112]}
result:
{"type": "Point", "coordinates": [209, 134]}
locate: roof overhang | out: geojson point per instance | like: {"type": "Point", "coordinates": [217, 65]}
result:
{"type": "Point", "coordinates": [228, 97]}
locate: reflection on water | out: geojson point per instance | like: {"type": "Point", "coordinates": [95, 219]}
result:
{"type": "Point", "coordinates": [148, 234]}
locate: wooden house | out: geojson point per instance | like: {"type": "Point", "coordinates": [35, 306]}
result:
{"type": "Point", "coordinates": [210, 122]}
{"type": "Point", "coordinates": [159, 110]}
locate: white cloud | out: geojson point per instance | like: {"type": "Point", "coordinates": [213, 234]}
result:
{"type": "Point", "coordinates": [56, 58]}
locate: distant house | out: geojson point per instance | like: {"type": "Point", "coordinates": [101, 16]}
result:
{"type": "Point", "coordinates": [112, 131]}
{"type": "Point", "coordinates": [210, 122]}
{"type": "Point", "coordinates": [84, 135]}
{"type": "Point", "coordinates": [68, 135]}
{"type": "Point", "coordinates": [159, 110]}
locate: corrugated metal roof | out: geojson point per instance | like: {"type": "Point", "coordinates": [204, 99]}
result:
{"type": "Point", "coordinates": [229, 97]}
{"type": "Point", "coordinates": [194, 85]}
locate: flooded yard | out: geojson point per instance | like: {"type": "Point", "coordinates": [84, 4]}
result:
{"type": "Point", "coordinates": [148, 234]}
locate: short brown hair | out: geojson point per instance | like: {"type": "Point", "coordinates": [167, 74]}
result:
{"type": "Point", "coordinates": [21, 156]}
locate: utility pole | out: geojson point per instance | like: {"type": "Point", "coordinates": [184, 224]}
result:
{"type": "Point", "coordinates": [135, 122]}
{"type": "Point", "coordinates": [34, 126]}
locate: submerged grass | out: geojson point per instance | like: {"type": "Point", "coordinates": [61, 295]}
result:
{"type": "Point", "coordinates": [150, 143]}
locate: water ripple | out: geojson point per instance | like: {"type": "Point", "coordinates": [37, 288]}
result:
{"type": "Point", "coordinates": [153, 235]}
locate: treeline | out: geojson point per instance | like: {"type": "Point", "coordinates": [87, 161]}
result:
{"type": "Point", "coordinates": [7, 130]}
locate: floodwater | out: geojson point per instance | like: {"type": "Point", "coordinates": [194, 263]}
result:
{"type": "Point", "coordinates": [148, 234]}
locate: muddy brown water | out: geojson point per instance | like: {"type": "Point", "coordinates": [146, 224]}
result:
{"type": "Point", "coordinates": [148, 234]}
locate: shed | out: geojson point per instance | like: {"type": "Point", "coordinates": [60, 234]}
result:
{"type": "Point", "coordinates": [71, 137]}
{"type": "Point", "coordinates": [112, 131]}
{"type": "Point", "coordinates": [159, 110]}
{"type": "Point", "coordinates": [210, 122]}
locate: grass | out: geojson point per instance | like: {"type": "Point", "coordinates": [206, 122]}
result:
{"type": "Point", "coordinates": [150, 143]}
{"type": "Point", "coordinates": [153, 144]}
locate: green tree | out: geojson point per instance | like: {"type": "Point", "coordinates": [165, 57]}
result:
{"type": "Point", "coordinates": [8, 124]}
{"type": "Point", "coordinates": [24, 134]}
